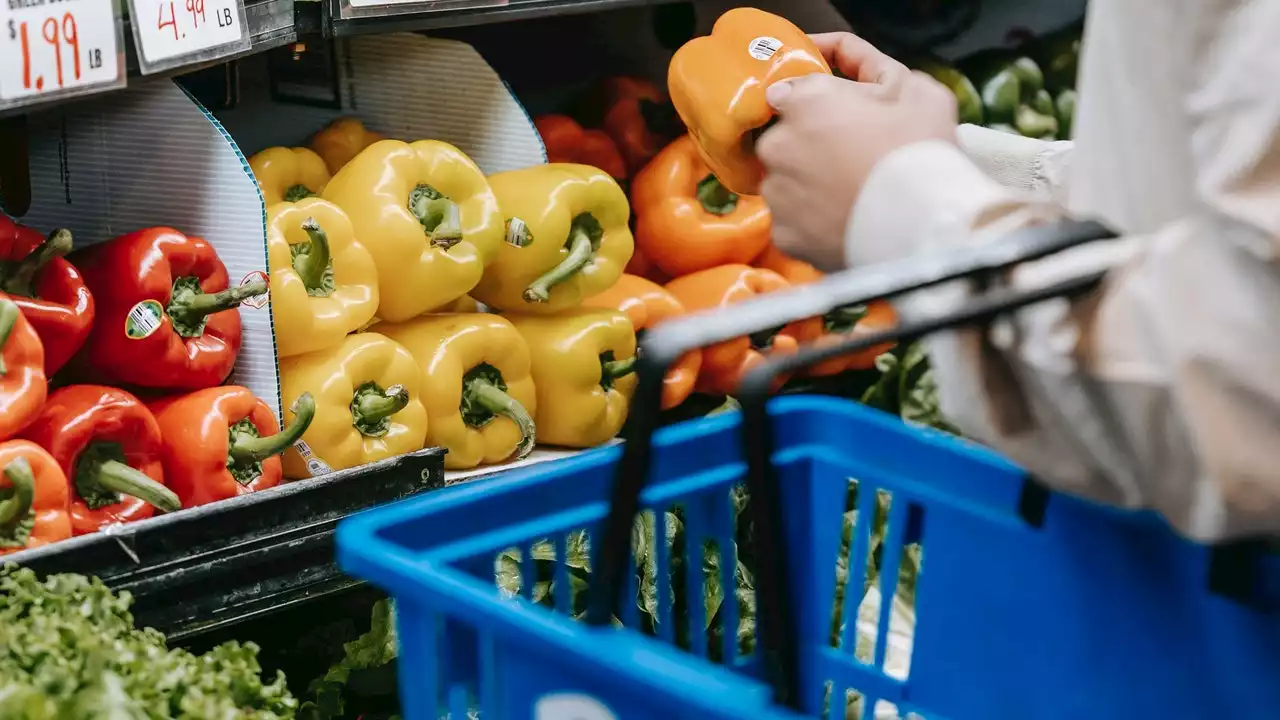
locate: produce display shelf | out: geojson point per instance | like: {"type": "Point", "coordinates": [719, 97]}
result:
{"type": "Point", "coordinates": [211, 566]}
{"type": "Point", "coordinates": [340, 18]}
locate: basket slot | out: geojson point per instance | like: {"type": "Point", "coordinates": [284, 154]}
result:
{"type": "Point", "coordinates": [661, 553]}
{"type": "Point", "coordinates": [728, 549]}
{"type": "Point", "coordinates": [890, 563]}
{"type": "Point", "coordinates": [857, 576]}
{"type": "Point", "coordinates": [560, 586]}
{"type": "Point", "coordinates": [528, 573]}
{"type": "Point", "coordinates": [630, 611]}
{"type": "Point", "coordinates": [846, 673]}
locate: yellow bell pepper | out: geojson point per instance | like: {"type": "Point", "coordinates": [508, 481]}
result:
{"type": "Point", "coordinates": [288, 174]}
{"type": "Point", "coordinates": [567, 238]}
{"type": "Point", "coordinates": [368, 403]}
{"type": "Point", "coordinates": [426, 213]}
{"type": "Point", "coordinates": [582, 368]}
{"type": "Point", "coordinates": [476, 386]}
{"type": "Point", "coordinates": [323, 282]}
{"type": "Point", "coordinates": [342, 140]}
{"type": "Point", "coordinates": [464, 304]}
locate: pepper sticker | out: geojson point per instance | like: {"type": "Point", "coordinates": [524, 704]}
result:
{"type": "Point", "coordinates": [764, 47]}
{"type": "Point", "coordinates": [143, 319]}
{"type": "Point", "coordinates": [257, 302]}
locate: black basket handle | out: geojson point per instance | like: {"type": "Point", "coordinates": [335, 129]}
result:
{"type": "Point", "coordinates": [665, 344]}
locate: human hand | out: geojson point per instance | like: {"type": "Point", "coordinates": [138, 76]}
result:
{"type": "Point", "coordinates": [831, 132]}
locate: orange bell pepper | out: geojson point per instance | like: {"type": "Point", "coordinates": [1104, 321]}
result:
{"type": "Point", "coordinates": [38, 511]}
{"type": "Point", "coordinates": [717, 84]}
{"type": "Point", "coordinates": [639, 118]}
{"type": "Point", "coordinates": [837, 325]}
{"type": "Point", "coordinates": [23, 387]}
{"type": "Point", "coordinates": [646, 304]}
{"type": "Point", "coordinates": [724, 364]}
{"type": "Point", "coordinates": [567, 142]}
{"type": "Point", "coordinates": [687, 221]}
{"type": "Point", "coordinates": [842, 324]}
{"type": "Point", "coordinates": [797, 272]}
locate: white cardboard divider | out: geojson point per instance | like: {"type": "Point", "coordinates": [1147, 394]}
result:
{"type": "Point", "coordinates": [151, 156]}
{"type": "Point", "coordinates": [405, 86]}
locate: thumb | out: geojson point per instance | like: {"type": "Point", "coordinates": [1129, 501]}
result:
{"type": "Point", "coordinates": [785, 94]}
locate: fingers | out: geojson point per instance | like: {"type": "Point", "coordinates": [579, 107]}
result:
{"type": "Point", "coordinates": [858, 59]}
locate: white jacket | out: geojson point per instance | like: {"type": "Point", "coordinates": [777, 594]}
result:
{"type": "Point", "coordinates": [1163, 389]}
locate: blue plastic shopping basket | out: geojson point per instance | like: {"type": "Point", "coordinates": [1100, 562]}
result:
{"type": "Point", "coordinates": [1026, 604]}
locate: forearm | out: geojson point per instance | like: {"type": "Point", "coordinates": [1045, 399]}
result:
{"type": "Point", "coordinates": [1157, 391]}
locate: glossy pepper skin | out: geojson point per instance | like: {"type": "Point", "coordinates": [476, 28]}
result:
{"type": "Point", "coordinates": [222, 442]}
{"type": "Point", "coordinates": [718, 83]}
{"type": "Point", "coordinates": [843, 324]}
{"type": "Point", "coordinates": [724, 364]}
{"type": "Point", "coordinates": [583, 369]}
{"type": "Point", "coordinates": [476, 386]}
{"type": "Point", "coordinates": [1014, 98]}
{"type": "Point", "coordinates": [192, 335]}
{"type": "Point", "coordinates": [567, 142]}
{"type": "Point", "coordinates": [341, 140]}
{"type": "Point", "coordinates": [368, 397]}
{"type": "Point", "coordinates": [48, 289]}
{"type": "Point", "coordinates": [109, 446]}
{"type": "Point", "coordinates": [427, 215]}
{"type": "Point", "coordinates": [323, 281]}
{"type": "Point", "coordinates": [288, 174]}
{"type": "Point", "coordinates": [23, 387]}
{"type": "Point", "coordinates": [567, 238]}
{"type": "Point", "coordinates": [639, 117]}
{"type": "Point", "coordinates": [38, 510]}
{"type": "Point", "coordinates": [687, 221]}
{"type": "Point", "coordinates": [647, 304]}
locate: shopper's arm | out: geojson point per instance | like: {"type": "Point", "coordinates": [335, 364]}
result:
{"type": "Point", "coordinates": [1036, 166]}
{"type": "Point", "coordinates": [1163, 388]}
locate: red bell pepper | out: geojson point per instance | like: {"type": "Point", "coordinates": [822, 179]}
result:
{"type": "Point", "coordinates": [108, 444]}
{"type": "Point", "coordinates": [47, 288]}
{"type": "Point", "coordinates": [23, 387]}
{"type": "Point", "coordinates": [166, 317]}
{"type": "Point", "coordinates": [37, 513]}
{"type": "Point", "coordinates": [222, 442]}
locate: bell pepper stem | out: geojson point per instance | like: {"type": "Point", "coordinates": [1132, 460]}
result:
{"type": "Point", "coordinates": [715, 198]}
{"type": "Point", "coordinates": [22, 281]}
{"type": "Point", "coordinates": [191, 308]}
{"type": "Point", "coordinates": [614, 369]}
{"type": "Point", "coordinates": [23, 480]}
{"type": "Point", "coordinates": [247, 449]}
{"type": "Point", "coordinates": [580, 252]}
{"type": "Point", "coordinates": [298, 192]}
{"type": "Point", "coordinates": [9, 314]}
{"type": "Point", "coordinates": [843, 319]}
{"type": "Point", "coordinates": [372, 407]}
{"type": "Point", "coordinates": [313, 263]}
{"type": "Point", "coordinates": [482, 393]}
{"type": "Point", "coordinates": [117, 477]}
{"type": "Point", "coordinates": [440, 216]}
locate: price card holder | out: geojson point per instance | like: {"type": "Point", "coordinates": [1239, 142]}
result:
{"type": "Point", "coordinates": [171, 33]}
{"type": "Point", "coordinates": [353, 9]}
{"type": "Point", "coordinates": [53, 49]}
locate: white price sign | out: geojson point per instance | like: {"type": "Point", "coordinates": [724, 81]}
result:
{"type": "Point", "coordinates": [169, 32]}
{"type": "Point", "coordinates": [48, 46]}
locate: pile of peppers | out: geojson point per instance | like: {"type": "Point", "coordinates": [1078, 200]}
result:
{"type": "Point", "coordinates": [85, 336]}
{"type": "Point", "coordinates": [1029, 90]}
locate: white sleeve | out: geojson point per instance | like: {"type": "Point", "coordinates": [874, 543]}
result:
{"type": "Point", "coordinates": [1162, 389]}
{"type": "Point", "coordinates": [1036, 166]}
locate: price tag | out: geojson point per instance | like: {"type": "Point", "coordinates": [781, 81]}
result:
{"type": "Point", "coordinates": [57, 48]}
{"type": "Point", "coordinates": [169, 33]}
